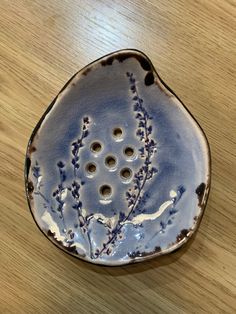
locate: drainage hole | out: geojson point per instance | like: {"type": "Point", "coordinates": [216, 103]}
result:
{"type": "Point", "coordinates": [110, 161]}
{"type": "Point", "coordinates": [91, 168]}
{"type": "Point", "coordinates": [129, 152]}
{"type": "Point", "coordinates": [126, 173]}
{"type": "Point", "coordinates": [117, 132]}
{"type": "Point", "coordinates": [105, 191]}
{"type": "Point", "coordinates": [96, 147]}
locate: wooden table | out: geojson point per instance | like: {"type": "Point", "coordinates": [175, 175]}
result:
{"type": "Point", "coordinates": [192, 45]}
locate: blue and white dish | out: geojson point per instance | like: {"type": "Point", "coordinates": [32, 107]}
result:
{"type": "Point", "coordinates": [117, 169]}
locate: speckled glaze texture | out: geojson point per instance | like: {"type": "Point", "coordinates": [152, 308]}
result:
{"type": "Point", "coordinates": [117, 169]}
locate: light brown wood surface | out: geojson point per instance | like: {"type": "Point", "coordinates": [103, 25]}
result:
{"type": "Point", "coordinates": [192, 45]}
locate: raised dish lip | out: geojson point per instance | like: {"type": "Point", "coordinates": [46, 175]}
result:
{"type": "Point", "coordinates": [132, 53]}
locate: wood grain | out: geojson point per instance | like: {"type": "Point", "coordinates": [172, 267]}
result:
{"type": "Point", "coordinates": [192, 45]}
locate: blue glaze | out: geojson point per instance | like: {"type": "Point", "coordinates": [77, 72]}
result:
{"type": "Point", "coordinates": [153, 212]}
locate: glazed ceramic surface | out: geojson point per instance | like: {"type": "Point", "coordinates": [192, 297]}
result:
{"type": "Point", "coordinates": [117, 170]}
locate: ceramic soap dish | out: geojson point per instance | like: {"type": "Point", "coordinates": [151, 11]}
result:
{"type": "Point", "coordinates": [117, 169]}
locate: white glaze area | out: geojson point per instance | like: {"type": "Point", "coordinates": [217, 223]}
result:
{"type": "Point", "coordinates": [143, 217]}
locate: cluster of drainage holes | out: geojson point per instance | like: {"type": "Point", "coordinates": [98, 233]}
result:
{"type": "Point", "coordinates": [111, 163]}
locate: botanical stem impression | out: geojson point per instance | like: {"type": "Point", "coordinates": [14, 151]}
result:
{"type": "Point", "coordinates": [57, 206]}
{"type": "Point", "coordinates": [136, 196]}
